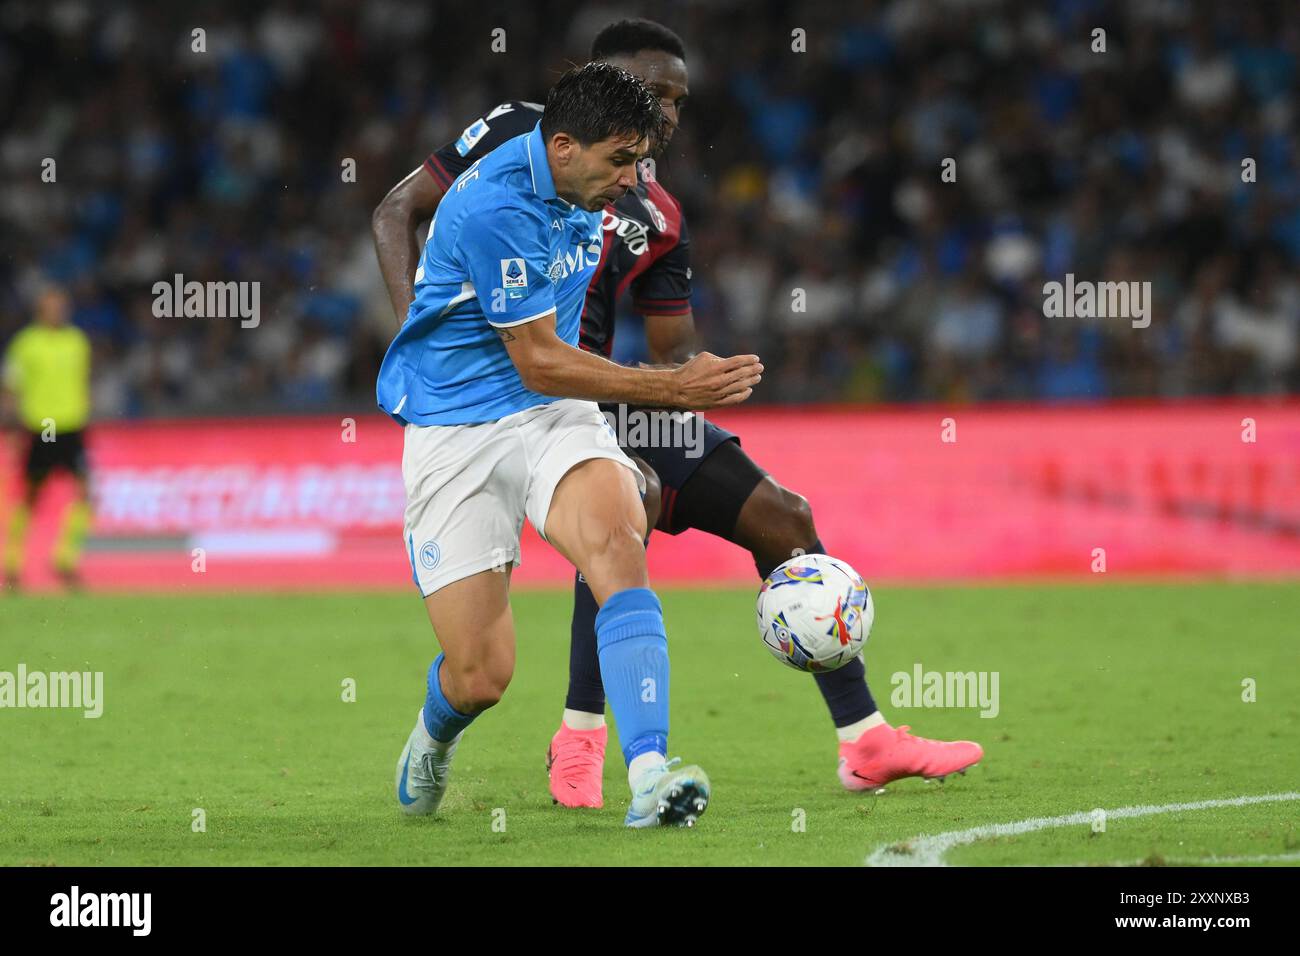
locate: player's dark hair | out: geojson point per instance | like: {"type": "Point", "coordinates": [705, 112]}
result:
{"type": "Point", "coordinates": [632, 36]}
{"type": "Point", "coordinates": [594, 102]}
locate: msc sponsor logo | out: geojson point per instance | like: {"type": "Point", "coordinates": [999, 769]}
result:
{"type": "Point", "coordinates": [583, 256]}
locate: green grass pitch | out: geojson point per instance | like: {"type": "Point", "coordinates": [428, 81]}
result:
{"type": "Point", "coordinates": [1111, 695]}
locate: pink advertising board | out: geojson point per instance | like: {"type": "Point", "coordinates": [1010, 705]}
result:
{"type": "Point", "coordinates": [914, 494]}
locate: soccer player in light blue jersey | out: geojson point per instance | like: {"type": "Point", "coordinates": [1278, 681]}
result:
{"type": "Point", "coordinates": [499, 409]}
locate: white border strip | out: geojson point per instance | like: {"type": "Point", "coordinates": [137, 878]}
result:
{"type": "Point", "coordinates": [927, 850]}
{"type": "Point", "coordinates": [531, 318]}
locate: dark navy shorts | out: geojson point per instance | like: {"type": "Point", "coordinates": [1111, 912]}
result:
{"type": "Point", "coordinates": [676, 455]}
{"type": "Point", "coordinates": [676, 464]}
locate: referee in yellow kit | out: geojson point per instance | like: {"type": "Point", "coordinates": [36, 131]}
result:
{"type": "Point", "coordinates": [46, 391]}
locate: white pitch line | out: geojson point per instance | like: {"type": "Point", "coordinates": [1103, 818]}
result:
{"type": "Point", "coordinates": [1213, 860]}
{"type": "Point", "coordinates": [1210, 860]}
{"type": "Point", "coordinates": [929, 850]}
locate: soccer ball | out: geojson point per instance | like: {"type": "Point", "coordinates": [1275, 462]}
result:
{"type": "Point", "coordinates": [814, 613]}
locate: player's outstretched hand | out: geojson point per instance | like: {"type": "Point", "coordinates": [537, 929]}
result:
{"type": "Point", "coordinates": [707, 381]}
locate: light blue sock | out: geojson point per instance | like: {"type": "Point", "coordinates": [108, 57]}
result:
{"type": "Point", "coordinates": [441, 720]}
{"type": "Point", "coordinates": [633, 649]}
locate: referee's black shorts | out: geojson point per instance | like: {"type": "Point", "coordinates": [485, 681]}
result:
{"type": "Point", "coordinates": [68, 450]}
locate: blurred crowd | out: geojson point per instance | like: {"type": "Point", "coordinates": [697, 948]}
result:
{"type": "Point", "coordinates": [811, 164]}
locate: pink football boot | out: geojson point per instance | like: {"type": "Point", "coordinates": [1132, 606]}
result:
{"type": "Point", "coordinates": [884, 754]}
{"type": "Point", "coordinates": [575, 762]}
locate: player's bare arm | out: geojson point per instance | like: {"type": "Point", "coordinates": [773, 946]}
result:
{"type": "Point", "coordinates": [550, 366]}
{"type": "Point", "coordinates": [395, 226]}
{"type": "Point", "coordinates": [670, 339]}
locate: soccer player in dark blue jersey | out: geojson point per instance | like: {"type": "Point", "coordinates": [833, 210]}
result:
{"type": "Point", "coordinates": [721, 490]}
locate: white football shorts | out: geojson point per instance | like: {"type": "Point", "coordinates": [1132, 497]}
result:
{"type": "Point", "coordinates": [469, 487]}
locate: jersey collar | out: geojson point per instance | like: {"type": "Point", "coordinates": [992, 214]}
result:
{"type": "Point", "coordinates": [540, 169]}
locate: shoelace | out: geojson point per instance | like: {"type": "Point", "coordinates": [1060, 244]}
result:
{"type": "Point", "coordinates": [426, 763]}
{"type": "Point", "coordinates": [580, 754]}
{"type": "Point", "coordinates": [666, 768]}
{"type": "Point", "coordinates": [903, 732]}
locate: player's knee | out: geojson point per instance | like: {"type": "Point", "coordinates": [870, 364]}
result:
{"type": "Point", "coordinates": [797, 517]}
{"type": "Point", "coordinates": [619, 541]}
{"type": "Point", "coordinates": [782, 520]}
{"type": "Point", "coordinates": [477, 682]}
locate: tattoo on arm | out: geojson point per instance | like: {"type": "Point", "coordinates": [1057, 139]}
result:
{"type": "Point", "coordinates": [505, 335]}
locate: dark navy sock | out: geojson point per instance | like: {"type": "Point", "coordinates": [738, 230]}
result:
{"type": "Point", "coordinates": [845, 690]}
{"type": "Point", "coordinates": [586, 692]}
{"type": "Point", "coordinates": [846, 693]}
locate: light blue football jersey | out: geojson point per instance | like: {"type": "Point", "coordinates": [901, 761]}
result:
{"type": "Point", "coordinates": [503, 250]}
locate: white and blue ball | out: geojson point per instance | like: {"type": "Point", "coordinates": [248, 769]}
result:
{"type": "Point", "coordinates": [814, 613]}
